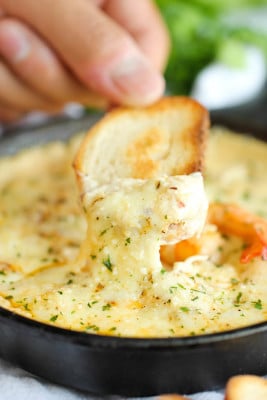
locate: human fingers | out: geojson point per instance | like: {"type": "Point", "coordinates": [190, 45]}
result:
{"type": "Point", "coordinates": [37, 65]}
{"type": "Point", "coordinates": [106, 59]}
{"type": "Point", "coordinates": [17, 96]}
{"type": "Point", "coordinates": [147, 27]}
{"type": "Point", "coordinates": [8, 115]}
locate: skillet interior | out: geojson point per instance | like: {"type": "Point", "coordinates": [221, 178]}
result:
{"type": "Point", "coordinates": [130, 367]}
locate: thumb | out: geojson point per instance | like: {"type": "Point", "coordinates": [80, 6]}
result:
{"type": "Point", "coordinates": [96, 49]}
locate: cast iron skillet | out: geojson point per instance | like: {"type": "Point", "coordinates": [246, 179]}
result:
{"type": "Point", "coordinates": [125, 366]}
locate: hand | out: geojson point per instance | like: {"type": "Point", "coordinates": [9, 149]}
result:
{"type": "Point", "coordinates": [95, 52]}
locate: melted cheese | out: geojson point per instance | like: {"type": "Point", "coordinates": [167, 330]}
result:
{"type": "Point", "coordinates": [127, 223]}
{"type": "Point", "coordinates": [123, 289]}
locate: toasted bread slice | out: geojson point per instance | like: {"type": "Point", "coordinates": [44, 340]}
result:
{"type": "Point", "coordinates": [246, 387]}
{"type": "Point", "coordinates": [167, 138]}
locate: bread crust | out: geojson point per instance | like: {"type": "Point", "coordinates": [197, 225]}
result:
{"type": "Point", "coordinates": [246, 387]}
{"type": "Point", "coordinates": [144, 160]}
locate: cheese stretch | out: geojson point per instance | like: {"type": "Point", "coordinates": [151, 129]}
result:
{"type": "Point", "coordinates": [127, 223]}
{"type": "Point", "coordinates": [117, 284]}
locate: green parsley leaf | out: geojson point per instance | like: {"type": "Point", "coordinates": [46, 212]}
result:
{"type": "Point", "coordinates": [113, 328]}
{"type": "Point", "coordinates": [127, 241]}
{"type": "Point", "coordinates": [107, 263]}
{"type": "Point", "coordinates": [94, 328]}
{"type": "Point", "coordinates": [238, 297]}
{"type": "Point", "coordinates": [106, 307]}
{"type": "Point", "coordinates": [184, 309]}
{"type": "Point", "coordinates": [181, 286]}
{"type": "Point", "coordinates": [257, 304]}
{"type": "Point", "coordinates": [234, 281]}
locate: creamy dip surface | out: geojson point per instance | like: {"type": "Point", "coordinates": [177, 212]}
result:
{"type": "Point", "coordinates": [104, 288]}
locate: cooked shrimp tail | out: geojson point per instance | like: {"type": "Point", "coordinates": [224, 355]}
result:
{"type": "Point", "coordinates": [230, 219]}
{"type": "Point", "coordinates": [233, 220]}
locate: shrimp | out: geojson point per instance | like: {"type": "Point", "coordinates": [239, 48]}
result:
{"type": "Point", "coordinates": [207, 244]}
{"type": "Point", "coordinates": [230, 219]}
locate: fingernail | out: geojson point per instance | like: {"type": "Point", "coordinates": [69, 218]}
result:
{"type": "Point", "coordinates": [14, 46]}
{"type": "Point", "coordinates": [137, 81]}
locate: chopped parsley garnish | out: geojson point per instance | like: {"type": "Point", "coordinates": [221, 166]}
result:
{"type": "Point", "coordinates": [198, 291]}
{"type": "Point", "coordinates": [9, 297]}
{"type": "Point", "coordinates": [162, 271]}
{"type": "Point", "coordinates": [54, 318]}
{"type": "Point", "coordinates": [107, 263]}
{"type": "Point", "coordinates": [184, 309]}
{"type": "Point", "coordinates": [127, 241]}
{"type": "Point", "coordinates": [234, 281]}
{"type": "Point", "coordinates": [93, 256]}
{"type": "Point", "coordinates": [172, 288]}
{"type": "Point", "coordinates": [2, 272]}
{"type": "Point", "coordinates": [94, 328]}
{"type": "Point", "coordinates": [70, 281]}
{"type": "Point", "coordinates": [106, 307]}
{"type": "Point", "coordinates": [181, 286]}
{"type": "Point", "coordinates": [257, 304]}
{"type": "Point", "coordinates": [113, 328]}
{"type": "Point", "coordinates": [238, 298]}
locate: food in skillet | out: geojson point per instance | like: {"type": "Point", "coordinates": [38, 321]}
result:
{"type": "Point", "coordinates": [202, 284]}
{"type": "Point", "coordinates": [143, 194]}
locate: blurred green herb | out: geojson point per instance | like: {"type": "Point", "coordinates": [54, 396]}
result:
{"type": "Point", "coordinates": [200, 35]}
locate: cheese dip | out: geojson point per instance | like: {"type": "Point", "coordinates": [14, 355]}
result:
{"type": "Point", "coordinates": [44, 276]}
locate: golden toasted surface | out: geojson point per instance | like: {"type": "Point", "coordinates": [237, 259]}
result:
{"type": "Point", "coordinates": [246, 387]}
{"type": "Point", "coordinates": [166, 138]}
